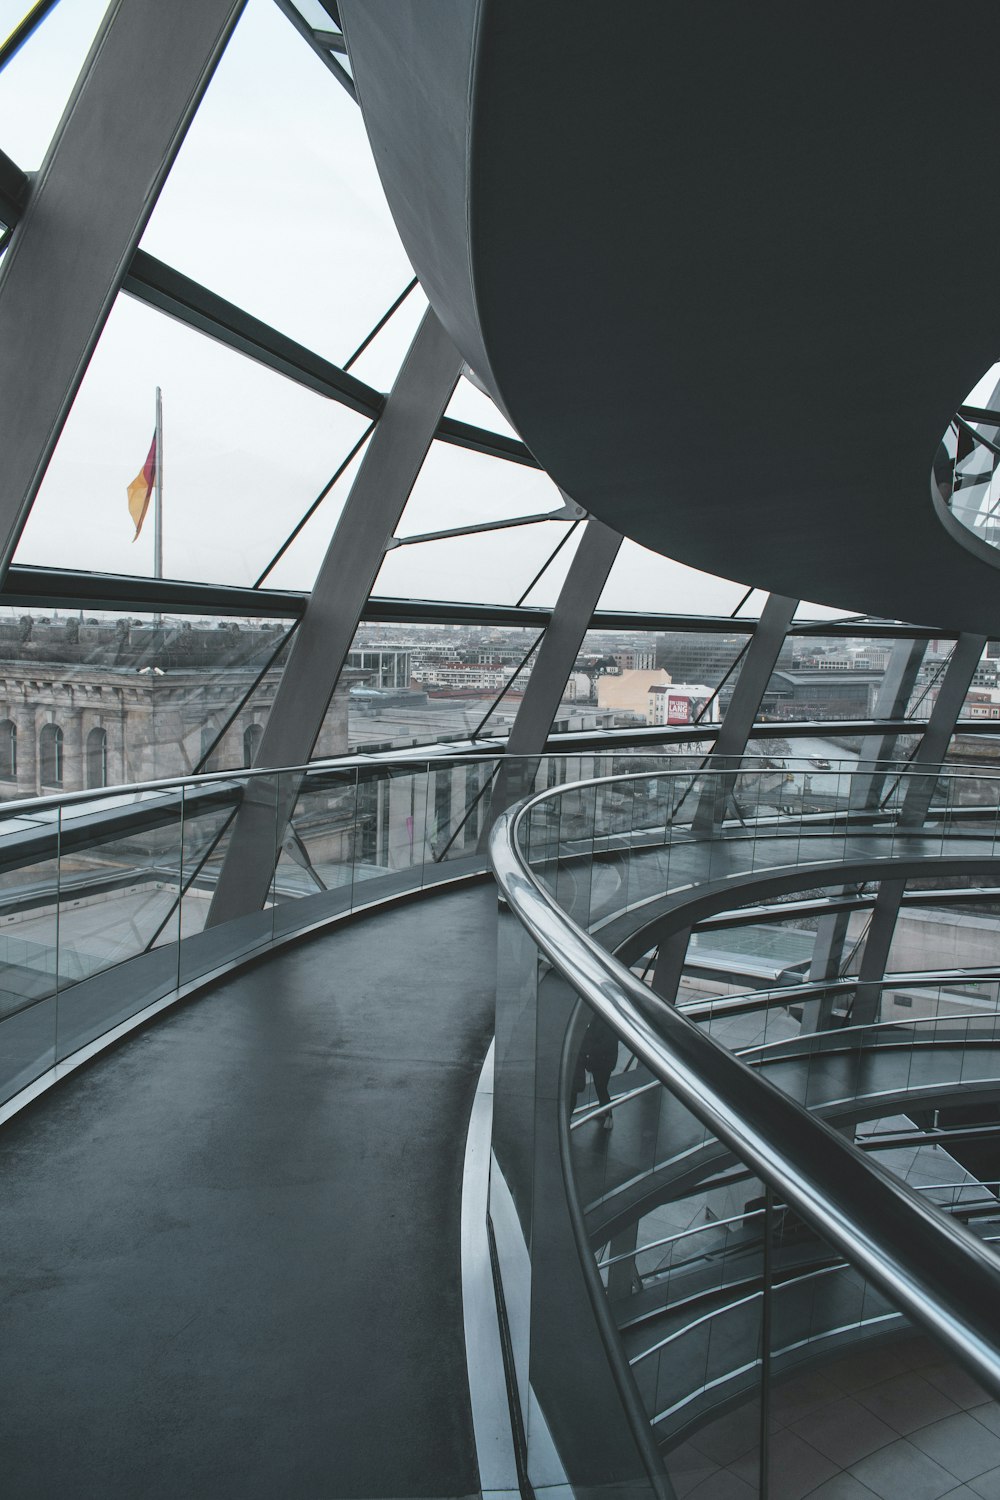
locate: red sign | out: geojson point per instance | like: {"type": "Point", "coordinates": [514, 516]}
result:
{"type": "Point", "coordinates": [678, 709]}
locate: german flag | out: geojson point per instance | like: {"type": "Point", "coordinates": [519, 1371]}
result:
{"type": "Point", "coordinates": [141, 488]}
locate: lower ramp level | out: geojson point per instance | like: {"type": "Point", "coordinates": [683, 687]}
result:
{"type": "Point", "coordinates": [231, 1261]}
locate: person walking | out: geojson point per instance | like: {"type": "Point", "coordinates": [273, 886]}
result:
{"type": "Point", "coordinates": [598, 1054]}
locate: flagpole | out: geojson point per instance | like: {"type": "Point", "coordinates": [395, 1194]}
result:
{"type": "Point", "coordinates": [158, 491]}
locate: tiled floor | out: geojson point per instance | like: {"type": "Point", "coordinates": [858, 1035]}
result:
{"type": "Point", "coordinates": [895, 1423]}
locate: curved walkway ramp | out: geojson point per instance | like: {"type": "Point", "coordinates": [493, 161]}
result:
{"type": "Point", "coordinates": [721, 307]}
{"type": "Point", "coordinates": [231, 1246]}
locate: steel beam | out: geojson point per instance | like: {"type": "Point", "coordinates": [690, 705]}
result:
{"type": "Point", "coordinates": [867, 788]}
{"type": "Point", "coordinates": [827, 957]}
{"type": "Point", "coordinates": [571, 617]}
{"type": "Point", "coordinates": [388, 472]}
{"type": "Point", "coordinates": [158, 285]}
{"type": "Point", "coordinates": [59, 587]}
{"type": "Point", "coordinates": [668, 970]}
{"type": "Point", "coordinates": [751, 685]}
{"type": "Point", "coordinates": [69, 255]}
{"type": "Point", "coordinates": [868, 995]}
{"type": "Point", "coordinates": [891, 702]}
{"type": "Point", "coordinates": [933, 747]}
{"type": "Point", "coordinates": [916, 803]}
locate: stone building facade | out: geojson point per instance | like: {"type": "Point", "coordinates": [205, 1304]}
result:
{"type": "Point", "coordinates": [91, 705]}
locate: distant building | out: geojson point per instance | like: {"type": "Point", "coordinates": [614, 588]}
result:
{"type": "Point", "coordinates": [872, 657]}
{"type": "Point", "coordinates": [982, 703]}
{"type": "Point", "coordinates": [636, 658]}
{"type": "Point", "coordinates": [468, 676]}
{"type": "Point", "coordinates": [382, 666]}
{"type": "Point", "coordinates": [578, 688]}
{"type": "Point", "coordinates": [681, 703]}
{"type": "Point", "coordinates": [628, 691]}
{"type": "Point", "coordinates": [821, 693]}
{"type": "Point", "coordinates": [88, 705]}
{"type": "Point", "coordinates": [696, 657]}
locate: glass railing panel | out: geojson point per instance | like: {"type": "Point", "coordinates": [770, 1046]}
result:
{"type": "Point", "coordinates": [471, 806]}
{"type": "Point", "coordinates": [231, 848]}
{"type": "Point", "coordinates": [209, 812]}
{"type": "Point", "coordinates": [541, 835]}
{"type": "Point", "coordinates": [512, 1191]}
{"type": "Point", "coordinates": [646, 840]}
{"type": "Point", "coordinates": [578, 826]}
{"type": "Point", "coordinates": [701, 1336]}
{"type": "Point", "coordinates": [314, 875]}
{"type": "Point", "coordinates": [611, 1147]}
{"type": "Point", "coordinates": [674, 1219]}
{"type": "Point", "coordinates": [573, 866]}
{"type": "Point", "coordinates": [119, 902]}
{"type": "Point", "coordinates": [456, 808]}
{"type": "Point", "coordinates": [576, 1427]}
{"type": "Point", "coordinates": [402, 817]}
{"type": "Point", "coordinates": [29, 945]}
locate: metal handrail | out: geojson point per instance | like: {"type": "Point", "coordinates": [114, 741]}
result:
{"type": "Point", "coordinates": [935, 1270]}
{"type": "Point", "coordinates": [783, 995]}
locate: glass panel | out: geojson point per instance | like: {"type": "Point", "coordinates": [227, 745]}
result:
{"type": "Point", "coordinates": [859, 1395]}
{"type": "Point", "coordinates": [716, 1286]}
{"type": "Point", "coordinates": [245, 452]}
{"type": "Point", "coordinates": [379, 364]}
{"type": "Point", "coordinates": [119, 887]}
{"type": "Point", "coordinates": [109, 699]}
{"type": "Point", "coordinates": [491, 568]}
{"type": "Point", "coordinates": [468, 816]}
{"type": "Point", "coordinates": [982, 703]}
{"type": "Point", "coordinates": [409, 685]}
{"type": "Point", "coordinates": [470, 404]}
{"type": "Point", "coordinates": [296, 566]}
{"type": "Point", "coordinates": [36, 84]}
{"type": "Point", "coordinates": [238, 814]}
{"type": "Point", "coordinates": [29, 906]}
{"type": "Point", "coordinates": [671, 679]}
{"type": "Point", "coordinates": [314, 878]}
{"type": "Point", "coordinates": [296, 149]}
{"type": "Point", "coordinates": [458, 487]}
{"type": "Point", "coordinates": [314, 14]}
{"type": "Point", "coordinates": [642, 580]}
{"type": "Point", "coordinates": [821, 677]}
{"type": "Point", "coordinates": [929, 678]}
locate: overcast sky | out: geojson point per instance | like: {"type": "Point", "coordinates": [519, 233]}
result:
{"type": "Point", "coordinates": [275, 203]}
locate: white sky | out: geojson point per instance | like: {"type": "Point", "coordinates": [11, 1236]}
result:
{"type": "Point", "coordinates": [275, 203]}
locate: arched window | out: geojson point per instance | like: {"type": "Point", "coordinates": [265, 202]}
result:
{"type": "Point", "coordinates": [8, 750]}
{"type": "Point", "coordinates": [50, 755]}
{"type": "Point", "coordinates": [97, 758]}
{"type": "Point", "coordinates": [252, 736]}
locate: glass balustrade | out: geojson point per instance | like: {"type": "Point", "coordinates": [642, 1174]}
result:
{"type": "Point", "coordinates": [678, 1324]}
{"type": "Point", "coordinates": [965, 477]}
{"type": "Point", "coordinates": [108, 901]}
